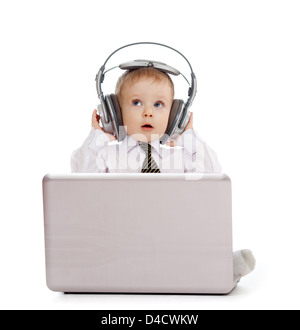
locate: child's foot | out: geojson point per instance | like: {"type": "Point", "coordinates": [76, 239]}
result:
{"type": "Point", "coordinates": [243, 264]}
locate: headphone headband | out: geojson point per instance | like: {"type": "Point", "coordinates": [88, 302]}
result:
{"type": "Point", "coordinates": [193, 85]}
{"type": "Point", "coordinates": [137, 64]}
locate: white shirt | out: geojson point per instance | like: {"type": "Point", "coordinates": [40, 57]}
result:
{"type": "Point", "coordinates": [99, 155]}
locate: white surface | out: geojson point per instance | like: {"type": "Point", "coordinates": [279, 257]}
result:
{"type": "Point", "coordinates": [246, 57]}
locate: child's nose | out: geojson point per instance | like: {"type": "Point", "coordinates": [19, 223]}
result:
{"type": "Point", "coordinates": [147, 112]}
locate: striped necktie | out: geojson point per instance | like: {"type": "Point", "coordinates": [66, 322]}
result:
{"type": "Point", "coordinates": [149, 165]}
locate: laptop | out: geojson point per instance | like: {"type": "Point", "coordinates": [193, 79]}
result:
{"type": "Point", "coordinates": [138, 233]}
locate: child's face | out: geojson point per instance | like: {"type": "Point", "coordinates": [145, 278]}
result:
{"type": "Point", "coordinates": [146, 102]}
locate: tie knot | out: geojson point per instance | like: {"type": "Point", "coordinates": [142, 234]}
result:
{"type": "Point", "coordinates": [146, 147]}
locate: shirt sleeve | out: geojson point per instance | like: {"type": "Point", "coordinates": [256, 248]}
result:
{"type": "Point", "coordinates": [90, 157]}
{"type": "Point", "coordinates": [198, 156]}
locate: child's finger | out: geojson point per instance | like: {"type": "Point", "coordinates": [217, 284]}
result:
{"type": "Point", "coordinates": [190, 123]}
{"type": "Point", "coordinates": [94, 116]}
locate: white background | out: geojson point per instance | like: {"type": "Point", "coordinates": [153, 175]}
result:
{"type": "Point", "coordinates": [246, 58]}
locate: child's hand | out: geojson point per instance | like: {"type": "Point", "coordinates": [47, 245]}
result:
{"type": "Point", "coordinates": [95, 125]}
{"type": "Point", "coordinates": [95, 121]}
{"type": "Point", "coordinates": [188, 126]}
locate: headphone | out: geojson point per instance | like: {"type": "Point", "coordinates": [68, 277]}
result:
{"type": "Point", "coordinates": [109, 108]}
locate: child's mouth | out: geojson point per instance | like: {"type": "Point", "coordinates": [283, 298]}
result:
{"type": "Point", "coordinates": [147, 127]}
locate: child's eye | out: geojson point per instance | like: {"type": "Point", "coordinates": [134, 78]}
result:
{"type": "Point", "coordinates": [158, 104]}
{"type": "Point", "coordinates": [137, 103]}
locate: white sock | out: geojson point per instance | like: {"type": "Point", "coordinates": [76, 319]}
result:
{"type": "Point", "coordinates": [243, 264]}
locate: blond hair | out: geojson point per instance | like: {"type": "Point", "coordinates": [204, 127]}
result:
{"type": "Point", "coordinates": [132, 76]}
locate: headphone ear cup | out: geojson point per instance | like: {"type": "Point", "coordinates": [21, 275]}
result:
{"type": "Point", "coordinates": [104, 117]}
{"type": "Point", "coordinates": [174, 117]}
{"type": "Point", "coordinates": [115, 112]}
{"type": "Point", "coordinates": [117, 109]}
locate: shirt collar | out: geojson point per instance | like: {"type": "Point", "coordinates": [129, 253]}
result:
{"type": "Point", "coordinates": [157, 146]}
{"type": "Point", "coordinates": [129, 143]}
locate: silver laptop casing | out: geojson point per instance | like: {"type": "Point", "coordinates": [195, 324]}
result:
{"type": "Point", "coordinates": [138, 233]}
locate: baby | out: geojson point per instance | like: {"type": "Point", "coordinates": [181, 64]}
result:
{"type": "Point", "coordinates": [145, 96]}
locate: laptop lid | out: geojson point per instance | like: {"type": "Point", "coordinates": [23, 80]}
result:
{"type": "Point", "coordinates": [138, 233]}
